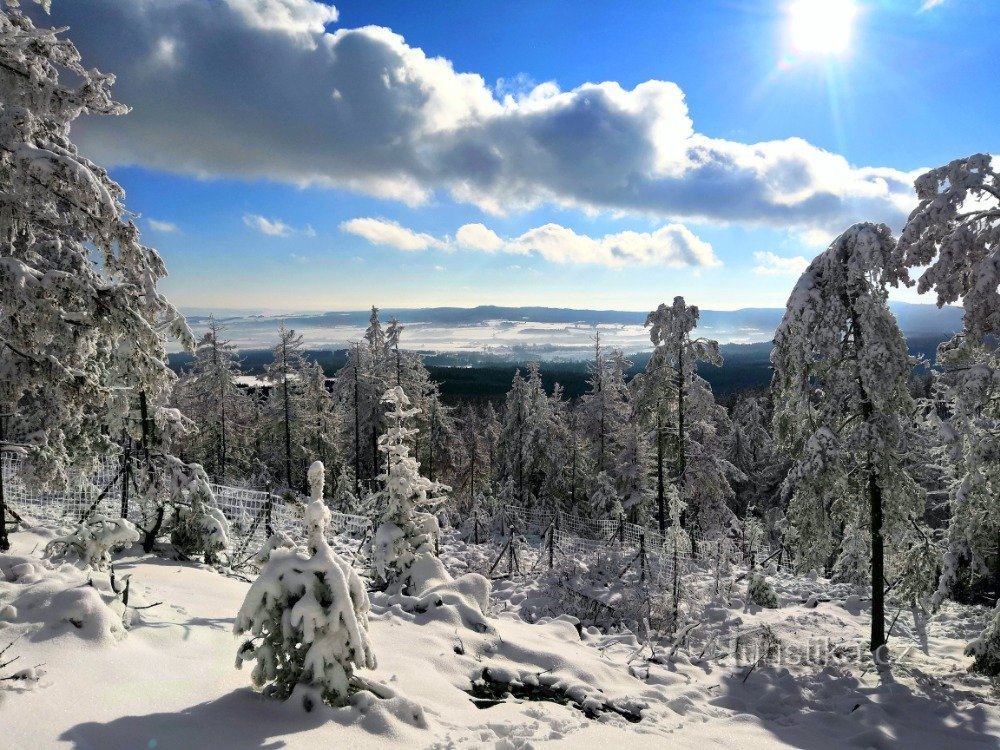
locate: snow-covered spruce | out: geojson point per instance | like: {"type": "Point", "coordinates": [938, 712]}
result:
{"type": "Point", "coordinates": [672, 388]}
{"type": "Point", "coordinates": [277, 540]}
{"type": "Point", "coordinates": [405, 532]}
{"type": "Point", "coordinates": [93, 540]}
{"type": "Point", "coordinates": [201, 527]}
{"type": "Point", "coordinates": [986, 649]}
{"type": "Point", "coordinates": [83, 325]}
{"type": "Point", "coordinates": [307, 618]}
{"type": "Point", "coordinates": [843, 408]}
{"type": "Point", "coordinates": [761, 592]}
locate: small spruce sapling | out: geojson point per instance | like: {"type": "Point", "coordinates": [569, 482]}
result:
{"type": "Point", "coordinates": [986, 649]}
{"type": "Point", "coordinates": [761, 592]}
{"type": "Point", "coordinates": [94, 539]}
{"type": "Point", "coordinates": [405, 532]}
{"type": "Point", "coordinates": [307, 618]}
{"type": "Point", "coordinates": [201, 527]}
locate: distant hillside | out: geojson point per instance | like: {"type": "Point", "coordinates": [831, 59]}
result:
{"type": "Point", "coordinates": [488, 377]}
{"type": "Point", "coordinates": [483, 335]}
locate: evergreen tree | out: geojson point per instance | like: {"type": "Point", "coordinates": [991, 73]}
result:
{"type": "Point", "coordinates": [954, 235]}
{"type": "Point", "coordinates": [841, 402]}
{"type": "Point", "coordinates": [685, 403]}
{"type": "Point", "coordinates": [223, 412]}
{"type": "Point", "coordinates": [406, 532]}
{"type": "Point", "coordinates": [306, 618]}
{"type": "Point", "coordinates": [286, 376]}
{"type": "Point", "coordinates": [82, 325]}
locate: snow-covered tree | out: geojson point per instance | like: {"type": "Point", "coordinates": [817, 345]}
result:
{"type": "Point", "coordinates": [320, 421]}
{"type": "Point", "coordinates": [842, 403]}
{"type": "Point", "coordinates": [527, 452]}
{"type": "Point", "coordinates": [286, 376]}
{"type": "Point", "coordinates": [200, 527]}
{"type": "Point", "coordinates": [405, 531]}
{"type": "Point", "coordinates": [752, 450]}
{"type": "Point", "coordinates": [986, 648]}
{"type": "Point", "coordinates": [954, 234]}
{"type": "Point", "coordinates": [761, 592]}
{"type": "Point", "coordinates": [306, 616]}
{"type": "Point", "coordinates": [671, 382]}
{"type": "Point", "coordinates": [618, 441]}
{"type": "Point", "coordinates": [93, 540]}
{"type": "Point", "coordinates": [82, 325]}
{"type": "Point", "coordinates": [210, 395]}
{"type": "Point", "coordinates": [854, 561]}
{"type": "Point", "coordinates": [604, 500]}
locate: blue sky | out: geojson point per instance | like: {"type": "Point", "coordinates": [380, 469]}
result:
{"type": "Point", "coordinates": [286, 155]}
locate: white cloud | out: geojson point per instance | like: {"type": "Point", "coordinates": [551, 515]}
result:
{"type": "Point", "coordinates": [478, 237]}
{"type": "Point", "coordinates": [819, 239]}
{"type": "Point", "coordinates": [391, 234]}
{"type": "Point", "coordinates": [162, 226]}
{"type": "Point", "coordinates": [361, 109]}
{"type": "Point", "coordinates": [770, 264]}
{"type": "Point", "coordinates": [929, 4]}
{"type": "Point", "coordinates": [270, 227]}
{"type": "Point", "coordinates": [672, 245]}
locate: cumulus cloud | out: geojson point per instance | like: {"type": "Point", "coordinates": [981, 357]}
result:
{"type": "Point", "coordinates": [270, 227]}
{"type": "Point", "coordinates": [672, 245]}
{"type": "Point", "coordinates": [162, 226]}
{"type": "Point", "coordinates": [276, 227]}
{"type": "Point", "coordinates": [391, 234]}
{"type": "Point", "coordinates": [769, 264]}
{"type": "Point", "coordinates": [266, 90]}
{"type": "Point", "coordinates": [478, 237]}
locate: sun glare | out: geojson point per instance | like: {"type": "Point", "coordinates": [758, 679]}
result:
{"type": "Point", "coordinates": [821, 27]}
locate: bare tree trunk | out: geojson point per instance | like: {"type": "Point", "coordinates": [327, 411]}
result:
{"type": "Point", "coordinates": [357, 425]}
{"type": "Point", "coordinates": [288, 414]}
{"type": "Point", "coordinates": [660, 502]}
{"type": "Point", "coordinates": [878, 563]}
{"type": "Point", "coordinates": [430, 440]}
{"type": "Point", "coordinates": [681, 448]}
{"type": "Point", "coordinates": [4, 538]}
{"type": "Point", "coordinates": [520, 452]}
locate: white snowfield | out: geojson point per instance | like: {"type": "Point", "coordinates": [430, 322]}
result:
{"type": "Point", "coordinates": [169, 681]}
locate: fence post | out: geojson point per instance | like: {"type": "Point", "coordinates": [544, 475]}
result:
{"type": "Point", "coordinates": [676, 592]}
{"type": "Point", "coordinates": [510, 556]}
{"type": "Point", "coordinates": [475, 528]}
{"type": "Point", "coordinates": [621, 530]}
{"type": "Point", "coordinates": [125, 470]}
{"type": "Point", "coordinates": [268, 521]}
{"type": "Point", "coordinates": [553, 528]}
{"type": "Point", "coordinates": [642, 556]}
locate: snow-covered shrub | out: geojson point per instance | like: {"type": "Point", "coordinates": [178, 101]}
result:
{"type": "Point", "coordinates": [277, 540]}
{"type": "Point", "coordinates": [405, 532]}
{"type": "Point", "coordinates": [307, 618]}
{"type": "Point", "coordinates": [201, 527]}
{"type": "Point", "coordinates": [93, 540]}
{"type": "Point", "coordinates": [604, 499]}
{"type": "Point", "coordinates": [854, 561]}
{"type": "Point", "coordinates": [677, 538]}
{"type": "Point", "coordinates": [986, 649]}
{"type": "Point", "coordinates": [761, 592]}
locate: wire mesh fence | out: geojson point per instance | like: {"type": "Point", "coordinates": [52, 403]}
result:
{"type": "Point", "coordinates": [537, 539]}
{"type": "Point", "coordinates": [252, 514]}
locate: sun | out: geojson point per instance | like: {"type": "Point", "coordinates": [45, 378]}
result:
{"type": "Point", "coordinates": [821, 27]}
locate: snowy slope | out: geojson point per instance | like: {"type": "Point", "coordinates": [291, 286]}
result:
{"type": "Point", "coordinates": [170, 681]}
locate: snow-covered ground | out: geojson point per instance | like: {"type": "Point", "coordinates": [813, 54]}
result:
{"type": "Point", "coordinates": [169, 681]}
